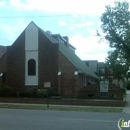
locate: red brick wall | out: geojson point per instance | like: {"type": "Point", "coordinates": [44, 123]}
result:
{"type": "Point", "coordinates": [3, 66]}
{"type": "Point", "coordinates": [94, 91]}
{"type": "Point", "coordinates": [48, 62]}
{"type": "Point", "coordinates": [80, 80]}
{"type": "Point", "coordinates": [81, 102]}
{"type": "Point", "coordinates": [16, 63]}
{"type": "Point", "coordinates": [70, 83]}
{"type": "Point", "coordinates": [3, 62]}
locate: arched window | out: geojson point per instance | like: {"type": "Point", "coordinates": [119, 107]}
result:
{"type": "Point", "coordinates": [31, 67]}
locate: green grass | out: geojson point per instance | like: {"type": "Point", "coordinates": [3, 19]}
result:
{"type": "Point", "coordinates": [61, 108]}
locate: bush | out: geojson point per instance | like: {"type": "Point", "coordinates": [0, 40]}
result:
{"type": "Point", "coordinates": [34, 93]}
{"type": "Point", "coordinates": [25, 94]}
{"type": "Point", "coordinates": [46, 92]}
{"type": "Point", "coordinates": [41, 92]}
{"type": "Point", "coordinates": [6, 91]}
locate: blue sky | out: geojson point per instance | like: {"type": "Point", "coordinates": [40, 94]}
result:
{"type": "Point", "coordinates": [77, 19]}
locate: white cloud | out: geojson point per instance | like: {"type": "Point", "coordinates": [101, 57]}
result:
{"type": "Point", "coordinates": [81, 25]}
{"type": "Point", "coordinates": [2, 3]}
{"type": "Point", "coordinates": [92, 32]}
{"type": "Point", "coordinates": [59, 6]}
{"type": "Point", "coordinates": [90, 23]}
{"type": "Point", "coordinates": [88, 48]}
{"type": "Point", "coordinates": [84, 24]}
{"type": "Point", "coordinates": [17, 4]}
{"type": "Point", "coordinates": [12, 31]}
{"type": "Point", "coordinates": [62, 23]}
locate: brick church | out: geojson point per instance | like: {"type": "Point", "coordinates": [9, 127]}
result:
{"type": "Point", "coordinates": [39, 59]}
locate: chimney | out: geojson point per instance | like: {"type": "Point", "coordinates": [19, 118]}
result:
{"type": "Point", "coordinates": [49, 32]}
{"type": "Point", "coordinates": [66, 38]}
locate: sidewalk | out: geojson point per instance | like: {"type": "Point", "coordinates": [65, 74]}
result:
{"type": "Point", "coordinates": [127, 107]}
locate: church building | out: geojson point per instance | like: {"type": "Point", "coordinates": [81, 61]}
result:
{"type": "Point", "coordinates": [39, 59]}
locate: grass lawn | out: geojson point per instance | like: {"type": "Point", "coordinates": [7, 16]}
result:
{"type": "Point", "coordinates": [60, 107]}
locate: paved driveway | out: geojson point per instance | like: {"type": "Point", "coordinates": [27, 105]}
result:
{"type": "Point", "coordinates": [21, 119]}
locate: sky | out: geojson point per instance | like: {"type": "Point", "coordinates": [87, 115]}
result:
{"type": "Point", "coordinates": [77, 19]}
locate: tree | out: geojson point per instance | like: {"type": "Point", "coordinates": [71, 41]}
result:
{"type": "Point", "coordinates": [117, 57]}
{"type": "Point", "coordinates": [116, 26]}
{"type": "Point", "coordinates": [117, 63]}
{"type": "Point", "coordinates": [116, 31]}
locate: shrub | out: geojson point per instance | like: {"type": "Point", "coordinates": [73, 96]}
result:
{"type": "Point", "coordinates": [41, 92]}
{"type": "Point", "coordinates": [25, 94]}
{"type": "Point", "coordinates": [45, 92]}
{"type": "Point", "coordinates": [34, 93]}
{"type": "Point", "coordinates": [6, 91]}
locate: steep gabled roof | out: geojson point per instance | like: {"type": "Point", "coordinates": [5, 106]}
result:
{"type": "Point", "coordinates": [3, 50]}
{"type": "Point", "coordinates": [92, 64]}
{"type": "Point", "coordinates": [47, 35]}
{"type": "Point", "coordinates": [75, 60]}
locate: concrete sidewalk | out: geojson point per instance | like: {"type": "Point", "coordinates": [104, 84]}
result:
{"type": "Point", "coordinates": [127, 107]}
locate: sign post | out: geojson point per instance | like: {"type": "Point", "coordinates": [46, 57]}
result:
{"type": "Point", "coordinates": [47, 85]}
{"type": "Point", "coordinates": [104, 89]}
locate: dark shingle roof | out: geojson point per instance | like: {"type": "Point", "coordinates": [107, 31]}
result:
{"type": "Point", "coordinates": [75, 60]}
{"type": "Point", "coordinates": [2, 50]}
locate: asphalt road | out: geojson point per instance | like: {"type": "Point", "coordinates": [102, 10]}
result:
{"type": "Point", "coordinates": [21, 119]}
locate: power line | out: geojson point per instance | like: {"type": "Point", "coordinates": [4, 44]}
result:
{"type": "Point", "coordinates": [11, 17]}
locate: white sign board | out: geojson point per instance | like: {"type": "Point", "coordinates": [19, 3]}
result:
{"type": "Point", "coordinates": [47, 84]}
{"type": "Point", "coordinates": [103, 86]}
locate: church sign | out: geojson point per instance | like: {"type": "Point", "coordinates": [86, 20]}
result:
{"type": "Point", "coordinates": [104, 89]}
{"type": "Point", "coordinates": [47, 84]}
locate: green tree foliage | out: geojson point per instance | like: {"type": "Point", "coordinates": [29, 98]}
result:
{"type": "Point", "coordinates": [117, 63]}
{"type": "Point", "coordinates": [116, 26]}
{"type": "Point", "coordinates": [116, 31]}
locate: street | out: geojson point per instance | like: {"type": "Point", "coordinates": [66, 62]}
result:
{"type": "Point", "coordinates": [23, 119]}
